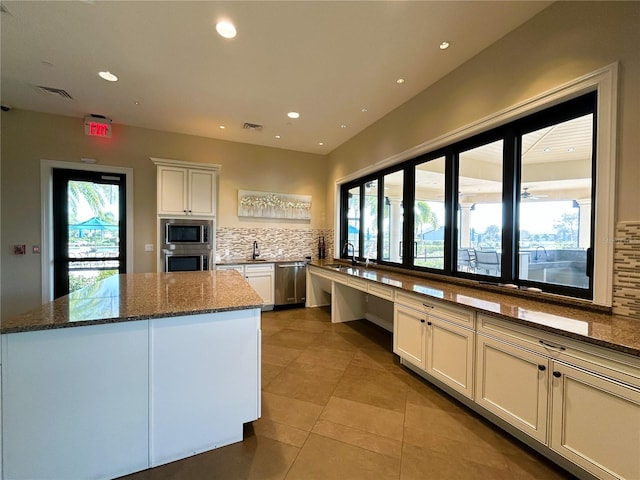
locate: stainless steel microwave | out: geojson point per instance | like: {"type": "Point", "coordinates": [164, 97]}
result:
{"type": "Point", "coordinates": [182, 232]}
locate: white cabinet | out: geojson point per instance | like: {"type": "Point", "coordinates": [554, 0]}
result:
{"type": "Point", "coordinates": [588, 396]}
{"type": "Point", "coordinates": [409, 334]}
{"type": "Point", "coordinates": [595, 422]}
{"type": "Point", "coordinates": [437, 338]}
{"type": "Point", "coordinates": [512, 383]}
{"type": "Point", "coordinates": [261, 277]}
{"type": "Point", "coordinates": [186, 189]}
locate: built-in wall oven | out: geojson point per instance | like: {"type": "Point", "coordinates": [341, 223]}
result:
{"type": "Point", "coordinates": [186, 260]}
{"type": "Point", "coordinates": [187, 244]}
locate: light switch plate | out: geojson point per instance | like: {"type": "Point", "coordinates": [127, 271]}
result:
{"type": "Point", "coordinates": [148, 247]}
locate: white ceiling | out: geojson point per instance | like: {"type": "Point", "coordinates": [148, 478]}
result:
{"type": "Point", "coordinates": [325, 59]}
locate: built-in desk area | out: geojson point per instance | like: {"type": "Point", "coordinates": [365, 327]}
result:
{"type": "Point", "coordinates": [564, 379]}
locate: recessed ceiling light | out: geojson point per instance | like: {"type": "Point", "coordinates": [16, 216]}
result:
{"type": "Point", "coordinates": [226, 29]}
{"type": "Point", "coordinates": [444, 45]}
{"type": "Point", "coordinates": [136, 102]}
{"type": "Point", "coordinates": [343, 126]}
{"type": "Point", "coordinates": [108, 76]}
{"type": "Point", "coordinates": [293, 115]}
{"type": "Point", "coordinates": [364, 110]}
{"type": "Point", "coordinates": [321, 143]}
{"type": "Point", "coordinates": [277, 136]}
{"type": "Point", "coordinates": [222, 127]}
{"type": "Point", "coordinates": [400, 81]}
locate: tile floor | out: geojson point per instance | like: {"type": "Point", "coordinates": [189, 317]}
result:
{"type": "Point", "coordinates": [336, 404]}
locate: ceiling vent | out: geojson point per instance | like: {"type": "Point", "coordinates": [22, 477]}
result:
{"type": "Point", "coordinates": [54, 92]}
{"type": "Point", "coordinates": [251, 126]}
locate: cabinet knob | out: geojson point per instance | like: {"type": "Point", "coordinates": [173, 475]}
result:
{"type": "Point", "coordinates": [557, 374]}
{"type": "Point", "coordinates": [428, 323]}
{"type": "Point", "coordinates": [542, 368]}
{"type": "Point", "coordinates": [422, 320]}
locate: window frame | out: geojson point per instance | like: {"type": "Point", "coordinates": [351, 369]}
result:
{"type": "Point", "coordinates": [604, 82]}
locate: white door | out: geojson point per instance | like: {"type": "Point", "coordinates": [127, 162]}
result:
{"type": "Point", "coordinates": [202, 193]}
{"type": "Point", "coordinates": [512, 383]}
{"type": "Point", "coordinates": [596, 423]}
{"type": "Point", "coordinates": [262, 283]}
{"type": "Point", "coordinates": [450, 355]}
{"type": "Point", "coordinates": [409, 334]}
{"type": "Point", "coordinates": [172, 191]}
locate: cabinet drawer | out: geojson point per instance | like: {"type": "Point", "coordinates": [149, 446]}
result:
{"type": "Point", "coordinates": [460, 316]}
{"type": "Point", "coordinates": [238, 268]}
{"type": "Point", "coordinates": [412, 301]}
{"type": "Point", "coordinates": [321, 272]}
{"type": "Point", "coordinates": [357, 283]}
{"type": "Point", "coordinates": [258, 267]}
{"type": "Point", "coordinates": [380, 291]}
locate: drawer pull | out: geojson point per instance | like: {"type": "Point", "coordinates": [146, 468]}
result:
{"type": "Point", "coordinates": [552, 347]}
{"type": "Point", "coordinates": [542, 368]}
{"type": "Point", "coordinates": [557, 374]}
{"type": "Point", "coordinates": [429, 323]}
{"type": "Point", "coordinates": [427, 306]}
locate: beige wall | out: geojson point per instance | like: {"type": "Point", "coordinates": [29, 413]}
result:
{"type": "Point", "coordinates": [28, 137]}
{"type": "Point", "coordinates": [563, 42]}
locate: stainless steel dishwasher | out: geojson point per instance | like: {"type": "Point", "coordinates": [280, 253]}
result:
{"type": "Point", "coordinates": [291, 283]}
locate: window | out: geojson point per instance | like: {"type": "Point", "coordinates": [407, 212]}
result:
{"type": "Point", "coordinates": [510, 205]}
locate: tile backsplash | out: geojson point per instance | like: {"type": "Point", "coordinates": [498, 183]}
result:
{"type": "Point", "coordinates": [273, 242]}
{"type": "Point", "coordinates": [626, 270]}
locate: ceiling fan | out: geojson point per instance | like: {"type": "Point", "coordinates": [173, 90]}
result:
{"type": "Point", "coordinates": [527, 195]}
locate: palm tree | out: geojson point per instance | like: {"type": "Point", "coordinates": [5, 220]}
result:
{"type": "Point", "coordinates": [96, 196]}
{"type": "Point", "coordinates": [425, 216]}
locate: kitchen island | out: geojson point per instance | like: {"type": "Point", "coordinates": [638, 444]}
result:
{"type": "Point", "coordinates": [134, 372]}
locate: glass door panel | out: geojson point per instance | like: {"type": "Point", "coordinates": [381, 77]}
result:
{"type": "Point", "coordinates": [370, 249]}
{"type": "Point", "coordinates": [555, 203]}
{"type": "Point", "coordinates": [428, 213]}
{"type": "Point", "coordinates": [353, 221]}
{"type": "Point", "coordinates": [479, 210]}
{"type": "Point", "coordinates": [88, 241]}
{"type": "Point", "coordinates": [393, 217]}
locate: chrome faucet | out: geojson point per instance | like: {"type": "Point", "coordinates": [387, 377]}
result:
{"type": "Point", "coordinates": [256, 251]}
{"type": "Point", "coordinates": [345, 251]}
{"type": "Point", "coordinates": [546, 255]}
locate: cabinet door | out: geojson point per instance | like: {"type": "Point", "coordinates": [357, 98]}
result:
{"type": "Point", "coordinates": [450, 355]}
{"type": "Point", "coordinates": [595, 423]}
{"type": "Point", "coordinates": [202, 188]}
{"type": "Point", "coordinates": [409, 334]}
{"type": "Point", "coordinates": [512, 383]}
{"type": "Point", "coordinates": [263, 284]}
{"type": "Point", "coordinates": [172, 191]}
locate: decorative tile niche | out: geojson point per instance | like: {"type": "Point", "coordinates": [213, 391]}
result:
{"type": "Point", "coordinates": [294, 243]}
{"type": "Point", "coordinates": [626, 270]}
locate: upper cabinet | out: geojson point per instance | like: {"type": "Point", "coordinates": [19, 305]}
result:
{"type": "Point", "coordinates": [186, 189]}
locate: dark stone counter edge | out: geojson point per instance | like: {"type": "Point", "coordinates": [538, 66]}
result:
{"type": "Point", "coordinates": [564, 333]}
{"type": "Point", "coordinates": [132, 318]}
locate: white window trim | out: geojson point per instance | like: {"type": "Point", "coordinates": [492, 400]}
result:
{"type": "Point", "coordinates": [605, 82]}
{"type": "Point", "coordinates": [46, 223]}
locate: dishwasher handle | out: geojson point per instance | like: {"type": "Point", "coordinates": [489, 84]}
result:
{"type": "Point", "coordinates": [291, 265]}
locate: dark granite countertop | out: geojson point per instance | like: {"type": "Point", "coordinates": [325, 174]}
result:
{"type": "Point", "coordinates": [139, 296]}
{"type": "Point", "coordinates": [534, 310]}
